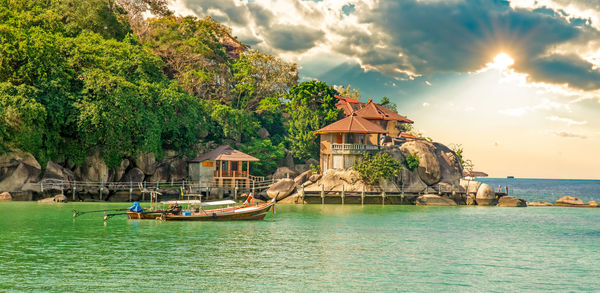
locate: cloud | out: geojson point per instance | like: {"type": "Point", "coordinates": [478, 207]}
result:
{"type": "Point", "coordinates": [566, 120]}
{"type": "Point", "coordinates": [425, 104]}
{"type": "Point", "coordinates": [293, 37]}
{"type": "Point", "coordinates": [567, 134]}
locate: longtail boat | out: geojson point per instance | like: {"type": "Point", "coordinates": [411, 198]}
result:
{"type": "Point", "coordinates": [242, 212]}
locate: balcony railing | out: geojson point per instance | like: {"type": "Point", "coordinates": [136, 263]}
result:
{"type": "Point", "coordinates": [348, 148]}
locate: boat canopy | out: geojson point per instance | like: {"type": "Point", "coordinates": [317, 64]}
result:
{"type": "Point", "coordinates": [196, 201]}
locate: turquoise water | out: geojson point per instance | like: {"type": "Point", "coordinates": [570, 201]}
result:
{"type": "Point", "coordinates": [329, 248]}
{"type": "Point", "coordinates": [547, 189]}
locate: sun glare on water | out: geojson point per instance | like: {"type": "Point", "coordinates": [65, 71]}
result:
{"type": "Point", "coordinates": [502, 61]}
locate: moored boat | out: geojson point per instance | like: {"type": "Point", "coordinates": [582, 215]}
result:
{"type": "Point", "coordinates": [246, 211]}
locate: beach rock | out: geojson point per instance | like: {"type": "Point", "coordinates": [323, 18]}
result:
{"type": "Point", "coordinates": [56, 171]}
{"type": "Point", "coordinates": [264, 133]}
{"type": "Point", "coordinates": [281, 189]}
{"type": "Point", "coordinates": [539, 204]}
{"type": "Point", "coordinates": [93, 168]}
{"type": "Point", "coordinates": [119, 171]}
{"type": "Point", "coordinates": [146, 162]}
{"type": "Point", "coordinates": [292, 199]}
{"type": "Point", "coordinates": [434, 200]}
{"type": "Point", "coordinates": [470, 186]}
{"type": "Point", "coordinates": [429, 165]}
{"type": "Point", "coordinates": [134, 175]}
{"type": "Point", "coordinates": [178, 169]}
{"type": "Point", "coordinates": [314, 177]}
{"type": "Point", "coordinates": [450, 167]}
{"type": "Point", "coordinates": [16, 169]}
{"type": "Point", "coordinates": [59, 198]}
{"type": "Point", "coordinates": [161, 174]}
{"type": "Point", "coordinates": [300, 179]}
{"type": "Point", "coordinates": [511, 201]}
{"type": "Point", "coordinates": [470, 201]}
{"type": "Point", "coordinates": [569, 200]}
{"type": "Point", "coordinates": [284, 172]}
{"type": "Point", "coordinates": [593, 203]}
{"type": "Point", "coordinates": [46, 200]}
{"type": "Point", "coordinates": [485, 195]}
{"type": "Point", "coordinates": [5, 196]}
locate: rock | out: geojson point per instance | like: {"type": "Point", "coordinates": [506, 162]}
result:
{"type": "Point", "coordinates": [119, 171]}
{"type": "Point", "coordinates": [511, 201]}
{"type": "Point", "coordinates": [485, 195]}
{"type": "Point", "coordinates": [288, 161]}
{"type": "Point", "coordinates": [56, 171]}
{"type": "Point", "coordinates": [60, 198]}
{"type": "Point", "coordinates": [161, 174]}
{"type": "Point", "coordinates": [281, 189]}
{"type": "Point", "coordinates": [46, 200]}
{"type": "Point", "coordinates": [264, 133]}
{"type": "Point", "coordinates": [569, 201]}
{"type": "Point", "coordinates": [301, 168]}
{"type": "Point", "coordinates": [593, 203]}
{"type": "Point", "coordinates": [471, 201]}
{"type": "Point", "coordinates": [314, 177]}
{"type": "Point", "coordinates": [300, 179]}
{"type": "Point", "coordinates": [434, 200]}
{"type": "Point", "coordinates": [93, 168]}
{"type": "Point", "coordinates": [133, 175]}
{"type": "Point", "coordinates": [292, 199]}
{"type": "Point", "coordinates": [16, 169]}
{"type": "Point", "coordinates": [429, 166]}
{"type": "Point", "coordinates": [5, 196]}
{"type": "Point", "coordinates": [282, 172]}
{"type": "Point", "coordinates": [450, 168]}
{"type": "Point", "coordinates": [178, 169]}
{"type": "Point", "coordinates": [470, 186]}
{"type": "Point", "coordinates": [146, 162]}
{"type": "Point", "coordinates": [307, 183]}
{"type": "Point", "coordinates": [539, 204]}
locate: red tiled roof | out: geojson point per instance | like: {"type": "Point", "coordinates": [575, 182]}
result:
{"type": "Point", "coordinates": [349, 105]}
{"type": "Point", "coordinates": [407, 135]}
{"type": "Point", "coordinates": [375, 111]}
{"type": "Point", "coordinates": [352, 124]}
{"type": "Point", "coordinates": [224, 153]}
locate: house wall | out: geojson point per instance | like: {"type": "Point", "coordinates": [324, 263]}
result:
{"type": "Point", "coordinates": [205, 173]}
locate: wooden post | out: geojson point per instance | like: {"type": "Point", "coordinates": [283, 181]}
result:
{"type": "Point", "coordinates": [362, 196]}
{"type": "Point", "coordinates": [506, 187]}
{"type": "Point", "coordinates": [74, 189]}
{"type": "Point", "coordinates": [343, 191]}
{"type": "Point", "coordinates": [235, 191]}
{"type": "Point", "coordinates": [42, 186]}
{"type": "Point", "coordinates": [322, 194]}
{"type": "Point", "coordinates": [302, 194]}
{"type": "Point", "coordinates": [130, 189]}
{"type": "Point", "coordinates": [383, 198]}
{"type": "Point", "coordinates": [101, 187]}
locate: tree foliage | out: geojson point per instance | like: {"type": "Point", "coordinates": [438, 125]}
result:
{"type": "Point", "coordinates": [374, 168]}
{"type": "Point", "coordinates": [268, 153]}
{"type": "Point", "coordinates": [311, 106]}
{"type": "Point", "coordinates": [411, 161]}
{"type": "Point", "coordinates": [385, 102]}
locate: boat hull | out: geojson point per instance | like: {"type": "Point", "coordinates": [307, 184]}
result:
{"type": "Point", "coordinates": [230, 214]}
{"type": "Point", "coordinates": [144, 215]}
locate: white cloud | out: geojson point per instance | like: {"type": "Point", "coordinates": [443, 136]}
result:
{"type": "Point", "coordinates": [568, 134]}
{"type": "Point", "coordinates": [425, 104]}
{"type": "Point", "coordinates": [428, 83]}
{"type": "Point", "coordinates": [566, 120]}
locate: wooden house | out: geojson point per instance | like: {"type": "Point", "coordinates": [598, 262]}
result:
{"type": "Point", "coordinates": [384, 117]}
{"type": "Point", "coordinates": [223, 166]}
{"type": "Point", "coordinates": [345, 141]}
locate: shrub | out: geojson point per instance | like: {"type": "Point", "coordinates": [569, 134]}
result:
{"type": "Point", "coordinates": [373, 168]}
{"type": "Point", "coordinates": [412, 161]}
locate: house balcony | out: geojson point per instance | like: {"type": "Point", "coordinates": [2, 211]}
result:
{"type": "Point", "coordinates": [352, 149]}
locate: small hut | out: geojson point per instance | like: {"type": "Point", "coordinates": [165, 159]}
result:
{"type": "Point", "coordinates": [223, 166]}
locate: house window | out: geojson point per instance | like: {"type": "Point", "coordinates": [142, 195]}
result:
{"type": "Point", "coordinates": [361, 138]}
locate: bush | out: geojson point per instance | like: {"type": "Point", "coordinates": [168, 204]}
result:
{"type": "Point", "coordinates": [411, 161]}
{"type": "Point", "coordinates": [373, 168]}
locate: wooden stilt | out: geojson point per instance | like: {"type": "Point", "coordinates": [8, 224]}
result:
{"type": "Point", "coordinates": [383, 198]}
{"type": "Point", "coordinates": [362, 196]}
{"type": "Point", "coordinates": [74, 189]}
{"type": "Point", "coordinates": [322, 194]}
{"type": "Point", "coordinates": [343, 190]}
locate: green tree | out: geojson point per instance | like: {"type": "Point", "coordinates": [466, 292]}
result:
{"type": "Point", "coordinates": [374, 168]}
{"type": "Point", "coordinates": [311, 106]}
{"type": "Point", "coordinates": [348, 91]}
{"type": "Point", "coordinates": [268, 153]}
{"type": "Point", "coordinates": [22, 119]}
{"type": "Point", "coordinates": [385, 102]}
{"type": "Point", "coordinates": [411, 161]}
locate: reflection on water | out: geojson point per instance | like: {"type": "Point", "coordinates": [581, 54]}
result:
{"type": "Point", "coordinates": [302, 248]}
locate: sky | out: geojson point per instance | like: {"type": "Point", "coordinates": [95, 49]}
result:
{"type": "Point", "coordinates": [515, 83]}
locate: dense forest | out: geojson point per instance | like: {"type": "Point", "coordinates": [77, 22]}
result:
{"type": "Point", "coordinates": [79, 76]}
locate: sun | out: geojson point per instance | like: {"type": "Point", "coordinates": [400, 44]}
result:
{"type": "Point", "coordinates": [502, 61]}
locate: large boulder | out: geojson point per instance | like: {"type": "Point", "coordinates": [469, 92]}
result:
{"type": "Point", "coordinates": [281, 189]}
{"type": "Point", "coordinates": [349, 180]}
{"type": "Point", "coordinates": [59, 198]}
{"type": "Point", "coordinates": [56, 171]}
{"type": "Point", "coordinates": [470, 186]}
{"type": "Point", "coordinates": [314, 177]}
{"type": "Point", "coordinates": [429, 165]}
{"type": "Point", "coordinates": [16, 169]}
{"type": "Point", "coordinates": [300, 179]}
{"type": "Point", "coordinates": [161, 174]}
{"type": "Point", "coordinates": [93, 168]}
{"type": "Point", "coordinates": [134, 175]}
{"type": "Point", "coordinates": [511, 201]}
{"type": "Point", "coordinates": [593, 203]}
{"type": "Point", "coordinates": [450, 168]}
{"type": "Point", "coordinates": [292, 199]}
{"type": "Point", "coordinates": [539, 204]}
{"type": "Point", "coordinates": [5, 196]}
{"type": "Point", "coordinates": [146, 162]}
{"type": "Point", "coordinates": [485, 195]}
{"type": "Point", "coordinates": [569, 201]}
{"type": "Point", "coordinates": [118, 172]}
{"type": "Point", "coordinates": [178, 169]}
{"type": "Point", "coordinates": [434, 200]}
{"type": "Point", "coordinates": [284, 172]}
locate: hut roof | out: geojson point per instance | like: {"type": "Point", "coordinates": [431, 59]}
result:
{"type": "Point", "coordinates": [352, 124]}
{"type": "Point", "coordinates": [224, 153]}
{"type": "Point", "coordinates": [349, 105]}
{"type": "Point", "coordinates": [375, 111]}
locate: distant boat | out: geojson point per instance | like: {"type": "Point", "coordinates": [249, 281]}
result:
{"type": "Point", "coordinates": [510, 177]}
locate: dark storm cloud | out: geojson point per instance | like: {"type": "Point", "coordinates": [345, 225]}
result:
{"type": "Point", "coordinates": [229, 12]}
{"type": "Point", "coordinates": [569, 69]}
{"type": "Point", "coordinates": [293, 37]}
{"type": "Point", "coordinates": [462, 36]}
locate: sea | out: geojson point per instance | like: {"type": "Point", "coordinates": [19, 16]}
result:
{"type": "Point", "coordinates": [311, 248]}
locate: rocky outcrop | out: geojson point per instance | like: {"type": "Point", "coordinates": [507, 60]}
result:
{"type": "Point", "coordinates": [429, 169]}
{"type": "Point", "coordinates": [5, 196]}
{"type": "Point", "coordinates": [470, 186]}
{"type": "Point", "coordinates": [16, 169]}
{"type": "Point", "coordinates": [284, 172]}
{"type": "Point", "coordinates": [93, 169]}
{"type": "Point", "coordinates": [60, 198]}
{"type": "Point", "coordinates": [281, 189]}
{"type": "Point", "coordinates": [593, 203]}
{"type": "Point", "coordinates": [56, 171]}
{"type": "Point", "coordinates": [161, 174]}
{"type": "Point", "coordinates": [539, 204]}
{"type": "Point", "coordinates": [434, 200]}
{"type": "Point", "coordinates": [134, 175]}
{"type": "Point", "coordinates": [569, 201]}
{"type": "Point", "coordinates": [292, 199]}
{"type": "Point", "coordinates": [511, 201]}
{"type": "Point", "coordinates": [314, 177]}
{"type": "Point", "coordinates": [485, 195]}
{"type": "Point", "coordinates": [302, 178]}
{"type": "Point", "coordinates": [146, 162]}
{"type": "Point", "coordinates": [118, 172]}
{"type": "Point", "coordinates": [349, 180]}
